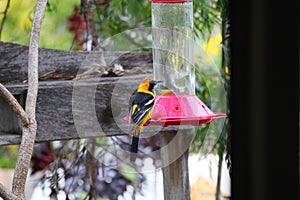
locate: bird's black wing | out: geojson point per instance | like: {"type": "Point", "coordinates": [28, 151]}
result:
{"type": "Point", "coordinates": [141, 106]}
{"type": "Point", "coordinates": [132, 97]}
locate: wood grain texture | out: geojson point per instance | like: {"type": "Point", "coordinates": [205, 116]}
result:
{"type": "Point", "coordinates": [54, 108]}
{"type": "Point", "coordinates": [58, 74]}
{"type": "Point", "coordinates": [176, 173]}
{"type": "Point", "coordinates": [64, 65]}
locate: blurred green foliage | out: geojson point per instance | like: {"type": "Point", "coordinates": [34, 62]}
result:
{"type": "Point", "coordinates": [54, 32]}
{"type": "Point", "coordinates": [8, 156]}
{"type": "Point", "coordinates": [110, 18]}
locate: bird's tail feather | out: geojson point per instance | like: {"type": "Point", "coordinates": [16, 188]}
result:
{"type": "Point", "coordinates": [134, 148]}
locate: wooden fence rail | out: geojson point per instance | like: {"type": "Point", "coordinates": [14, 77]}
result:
{"type": "Point", "coordinates": [59, 71]}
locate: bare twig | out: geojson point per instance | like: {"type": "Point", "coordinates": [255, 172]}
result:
{"type": "Point", "coordinates": [88, 16]}
{"type": "Point", "coordinates": [14, 105]}
{"type": "Point", "coordinates": [4, 16]}
{"type": "Point", "coordinates": [7, 194]}
{"type": "Point", "coordinates": [29, 133]}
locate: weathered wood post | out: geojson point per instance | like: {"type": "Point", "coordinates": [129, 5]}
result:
{"type": "Point", "coordinates": [176, 174]}
{"type": "Point", "coordinates": [172, 22]}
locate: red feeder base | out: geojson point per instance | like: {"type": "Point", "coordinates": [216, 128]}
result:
{"type": "Point", "coordinates": [174, 109]}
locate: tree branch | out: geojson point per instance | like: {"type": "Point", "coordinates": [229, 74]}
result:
{"type": "Point", "coordinates": [14, 105]}
{"type": "Point", "coordinates": [88, 16]}
{"type": "Point", "coordinates": [29, 133]}
{"type": "Point", "coordinates": [7, 194]}
{"type": "Point", "coordinates": [4, 17]}
{"type": "Point", "coordinates": [33, 58]}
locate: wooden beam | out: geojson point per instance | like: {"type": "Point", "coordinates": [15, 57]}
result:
{"type": "Point", "coordinates": [55, 115]}
{"type": "Point", "coordinates": [58, 74]}
{"type": "Point", "coordinates": [64, 65]}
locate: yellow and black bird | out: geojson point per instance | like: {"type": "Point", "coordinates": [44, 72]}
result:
{"type": "Point", "coordinates": [140, 109]}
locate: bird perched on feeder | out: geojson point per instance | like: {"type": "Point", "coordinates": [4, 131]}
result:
{"type": "Point", "coordinates": [140, 109]}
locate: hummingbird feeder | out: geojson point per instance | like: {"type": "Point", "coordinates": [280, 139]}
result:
{"type": "Point", "coordinates": [173, 64]}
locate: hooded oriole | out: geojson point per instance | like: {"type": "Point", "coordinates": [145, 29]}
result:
{"type": "Point", "coordinates": [140, 109]}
